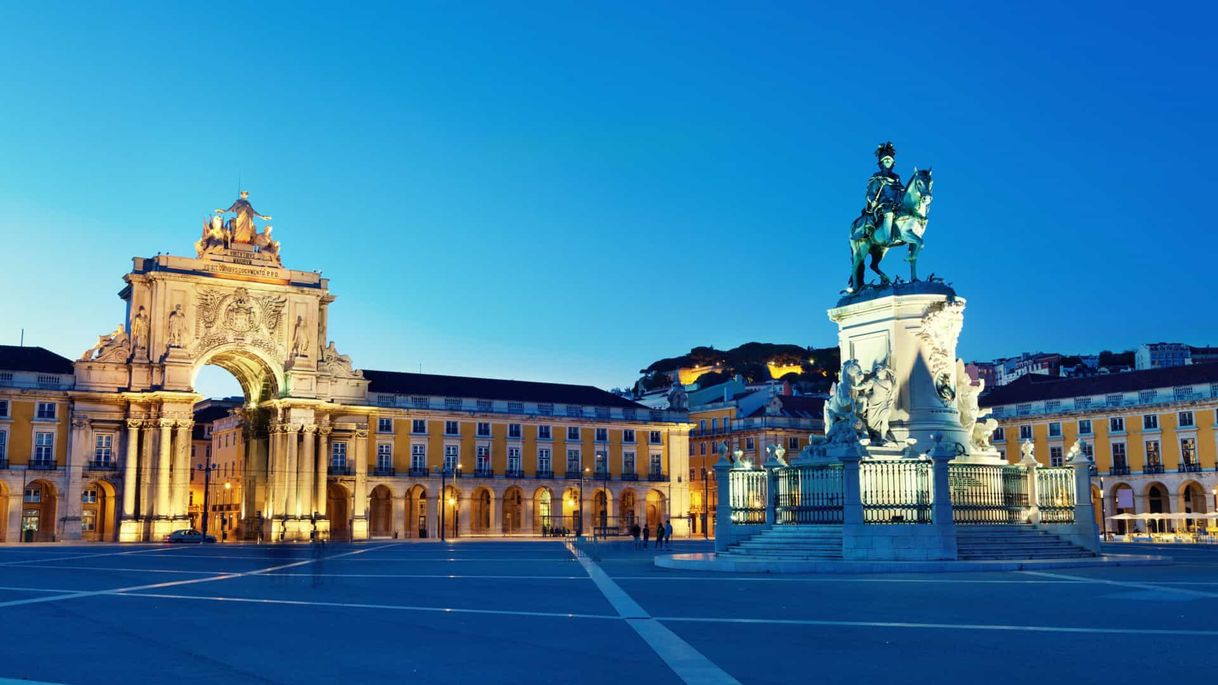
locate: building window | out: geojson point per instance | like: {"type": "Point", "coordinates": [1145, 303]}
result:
{"type": "Point", "coordinates": [46, 410]}
{"type": "Point", "coordinates": [33, 495]}
{"type": "Point", "coordinates": [516, 407]}
{"type": "Point", "coordinates": [1088, 451]}
{"type": "Point", "coordinates": [1055, 429]}
{"type": "Point", "coordinates": [3, 446]}
{"type": "Point", "coordinates": [452, 403]}
{"type": "Point", "coordinates": [545, 409]}
{"type": "Point", "coordinates": [702, 448]}
{"type": "Point", "coordinates": [418, 457]}
{"type": "Point", "coordinates": [602, 464]}
{"type": "Point", "coordinates": [1186, 419]}
{"type": "Point", "coordinates": [655, 438]}
{"type": "Point", "coordinates": [44, 448]}
{"type": "Point", "coordinates": [420, 402]}
{"type": "Point", "coordinates": [1119, 458]}
{"type": "Point", "coordinates": [338, 455]}
{"type": "Point", "coordinates": [575, 410]}
{"type": "Point", "coordinates": [543, 432]}
{"type": "Point", "coordinates": [513, 461]}
{"type": "Point", "coordinates": [1116, 424]}
{"type": "Point", "coordinates": [1084, 426]}
{"type": "Point", "coordinates": [103, 448]}
{"type": "Point", "coordinates": [714, 425]}
{"type": "Point", "coordinates": [655, 466]}
{"type": "Point", "coordinates": [482, 458]}
{"type": "Point", "coordinates": [4, 408]}
{"type": "Point", "coordinates": [384, 400]}
{"type": "Point", "coordinates": [1152, 453]}
{"type": "Point", "coordinates": [544, 464]}
{"type": "Point", "coordinates": [513, 430]}
{"type": "Point", "coordinates": [484, 429]}
{"type": "Point", "coordinates": [1188, 451]}
{"type": "Point", "coordinates": [1150, 422]}
{"type": "Point", "coordinates": [628, 435]}
{"type": "Point", "coordinates": [451, 453]}
{"type": "Point", "coordinates": [748, 443]}
{"type": "Point", "coordinates": [573, 461]}
{"type": "Point", "coordinates": [88, 521]}
{"type": "Point", "coordinates": [384, 455]}
{"type": "Point", "coordinates": [792, 443]}
{"type": "Point", "coordinates": [1025, 432]}
{"type": "Point", "coordinates": [486, 405]}
{"type": "Point", "coordinates": [702, 425]}
{"type": "Point", "coordinates": [573, 433]}
{"type": "Point", "coordinates": [1000, 434]}
{"type": "Point", "coordinates": [418, 426]}
{"type": "Point", "coordinates": [384, 425]}
{"type": "Point", "coordinates": [1055, 456]}
{"type": "Point", "coordinates": [452, 428]}
{"type": "Point", "coordinates": [628, 463]}
{"type": "Point", "coordinates": [602, 435]}
{"type": "Point", "coordinates": [88, 496]}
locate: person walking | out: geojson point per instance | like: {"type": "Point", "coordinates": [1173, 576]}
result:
{"type": "Point", "coordinates": [634, 533]}
{"type": "Point", "coordinates": [668, 533]}
{"type": "Point", "coordinates": [646, 534]}
{"type": "Point", "coordinates": [659, 535]}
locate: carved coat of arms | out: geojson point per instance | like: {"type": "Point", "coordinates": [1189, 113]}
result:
{"type": "Point", "coordinates": [238, 315]}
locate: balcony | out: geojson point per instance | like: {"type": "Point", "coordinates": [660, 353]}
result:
{"type": "Point", "coordinates": [94, 465]}
{"type": "Point", "coordinates": [1153, 468]}
{"type": "Point", "coordinates": [1190, 468]}
{"type": "Point", "coordinates": [630, 476]}
{"type": "Point", "coordinates": [514, 473]}
{"type": "Point", "coordinates": [418, 471]}
{"type": "Point", "coordinates": [484, 473]}
{"type": "Point", "coordinates": [601, 475]}
{"type": "Point", "coordinates": [42, 466]}
{"type": "Point", "coordinates": [382, 471]}
{"type": "Point", "coordinates": [656, 477]}
{"type": "Point", "coordinates": [573, 475]}
{"type": "Point", "coordinates": [1120, 470]}
{"type": "Point", "coordinates": [544, 474]}
{"type": "Point", "coordinates": [340, 470]}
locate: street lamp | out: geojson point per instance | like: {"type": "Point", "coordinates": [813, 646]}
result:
{"type": "Point", "coordinates": [579, 526]}
{"type": "Point", "coordinates": [443, 498]}
{"type": "Point", "coordinates": [1103, 512]}
{"type": "Point", "coordinates": [228, 494]}
{"type": "Point", "coordinates": [207, 470]}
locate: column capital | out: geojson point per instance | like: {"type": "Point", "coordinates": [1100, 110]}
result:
{"type": "Point", "coordinates": [292, 427]}
{"type": "Point", "coordinates": [166, 423]}
{"type": "Point", "coordinates": [134, 423]}
{"type": "Point", "coordinates": [185, 424]}
{"type": "Point", "coordinates": [81, 422]}
{"type": "Point", "coordinates": [309, 428]}
{"type": "Point", "coordinates": [361, 432]}
{"type": "Point", "coordinates": [325, 430]}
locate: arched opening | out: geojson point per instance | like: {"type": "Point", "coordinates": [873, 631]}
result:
{"type": "Point", "coordinates": [451, 518]}
{"type": "Point", "coordinates": [1121, 500]}
{"type": "Point", "coordinates": [97, 520]}
{"type": "Point", "coordinates": [600, 513]}
{"type": "Point", "coordinates": [627, 509]}
{"type": "Point", "coordinates": [656, 513]}
{"type": "Point", "coordinates": [260, 377]}
{"type": "Point", "coordinates": [38, 512]}
{"type": "Point", "coordinates": [338, 510]}
{"type": "Point", "coordinates": [416, 512]}
{"type": "Point", "coordinates": [1193, 501]}
{"type": "Point", "coordinates": [4, 505]}
{"type": "Point", "coordinates": [543, 511]}
{"type": "Point", "coordinates": [380, 512]}
{"type": "Point", "coordinates": [513, 505]}
{"type": "Point", "coordinates": [482, 514]}
{"type": "Point", "coordinates": [1158, 502]}
{"type": "Point", "coordinates": [573, 515]}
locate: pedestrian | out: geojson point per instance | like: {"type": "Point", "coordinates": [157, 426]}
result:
{"type": "Point", "coordinates": [668, 533]}
{"type": "Point", "coordinates": [634, 533]}
{"type": "Point", "coordinates": [659, 535]}
{"type": "Point", "coordinates": [646, 534]}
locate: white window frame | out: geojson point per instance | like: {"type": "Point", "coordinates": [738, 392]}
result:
{"type": "Point", "coordinates": [3, 445]}
{"type": "Point", "coordinates": [44, 447]}
{"type": "Point", "coordinates": [513, 460]}
{"type": "Point", "coordinates": [573, 433]}
{"type": "Point", "coordinates": [338, 454]}
{"type": "Point", "coordinates": [544, 432]}
{"type": "Point", "coordinates": [628, 435]}
{"type": "Point", "coordinates": [384, 424]}
{"type": "Point", "coordinates": [4, 409]}
{"type": "Point", "coordinates": [418, 426]}
{"type": "Point", "coordinates": [655, 463]}
{"type": "Point", "coordinates": [1150, 422]}
{"type": "Point", "coordinates": [452, 457]}
{"type": "Point", "coordinates": [103, 448]}
{"type": "Point", "coordinates": [1191, 417]}
{"type": "Point", "coordinates": [384, 455]}
{"type": "Point", "coordinates": [574, 456]}
{"type": "Point", "coordinates": [418, 456]}
{"type": "Point", "coordinates": [515, 431]}
{"type": "Point", "coordinates": [1055, 429]}
{"type": "Point", "coordinates": [602, 435]}
{"type": "Point", "coordinates": [1116, 424]}
{"type": "Point", "coordinates": [40, 415]}
{"type": "Point", "coordinates": [452, 428]}
{"type": "Point", "coordinates": [483, 429]}
{"type": "Point", "coordinates": [482, 458]}
{"type": "Point", "coordinates": [1025, 431]}
{"type": "Point", "coordinates": [545, 460]}
{"type": "Point", "coordinates": [628, 463]}
{"type": "Point", "coordinates": [1085, 427]}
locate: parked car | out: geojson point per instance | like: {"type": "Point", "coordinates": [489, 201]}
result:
{"type": "Point", "coordinates": [189, 535]}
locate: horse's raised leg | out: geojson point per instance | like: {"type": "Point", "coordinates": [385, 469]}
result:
{"type": "Point", "coordinates": [877, 254]}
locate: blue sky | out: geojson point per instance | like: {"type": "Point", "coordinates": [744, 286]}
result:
{"type": "Point", "coordinates": [568, 191]}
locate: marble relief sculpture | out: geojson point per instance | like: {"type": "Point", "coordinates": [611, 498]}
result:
{"type": "Point", "coordinates": [114, 347]}
{"type": "Point", "coordinates": [860, 404]}
{"type": "Point", "coordinates": [894, 214]}
{"type": "Point", "coordinates": [139, 331]}
{"type": "Point", "coordinates": [177, 326]}
{"type": "Point", "coordinates": [300, 338]}
{"type": "Point", "coordinates": [978, 425]}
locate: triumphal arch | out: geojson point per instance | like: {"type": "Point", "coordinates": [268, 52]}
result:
{"type": "Point", "coordinates": [233, 305]}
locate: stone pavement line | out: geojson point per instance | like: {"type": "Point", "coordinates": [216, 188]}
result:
{"type": "Point", "coordinates": [85, 556]}
{"type": "Point", "coordinates": [173, 583]}
{"type": "Point", "coordinates": [820, 580]}
{"type": "Point", "coordinates": [1125, 583]}
{"type": "Point", "coordinates": [941, 626]}
{"type": "Point", "coordinates": [689, 664]}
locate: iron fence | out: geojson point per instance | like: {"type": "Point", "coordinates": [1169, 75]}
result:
{"type": "Point", "coordinates": [810, 494]}
{"type": "Point", "coordinates": [988, 493]}
{"type": "Point", "coordinates": [896, 491]}
{"type": "Point", "coordinates": [748, 496]}
{"type": "Point", "coordinates": [1055, 494]}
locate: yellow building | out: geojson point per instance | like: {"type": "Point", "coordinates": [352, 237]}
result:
{"type": "Point", "coordinates": [217, 453]}
{"type": "Point", "coordinates": [748, 419]}
{"type": "Point", "coordinates": [1152, 434]}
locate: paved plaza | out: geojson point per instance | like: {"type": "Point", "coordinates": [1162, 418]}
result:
{"type": "Point", "coordinates": [539, 611]}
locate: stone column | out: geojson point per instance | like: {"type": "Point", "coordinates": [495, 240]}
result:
{"type": "Point", "coordinates": [323, 469]}
{"type": "Point", "coordinates": [526, 516]}
{"type": "Point", "coordinates": [359, 522]}
{"type": "Point", "coordinates": [128, 527]}
{"type": "Point", "coordinates": [307, 471]}
{"type": "Point", "coordinates": [723, 509]}
{"type": "Point", "coordinates": [146, 483]}
{"type": "Point", "coordinates": [496, 514]}
{"type": "Point", "coordinates": [274, 473]}
{"type": "Point", "coordinates": [1086, 533]}
{"type": "Point", "coordinates": [942, 517]}
{"type": "Point", "coordinates": [433, 514]}
{"type": "Point", "coordinates": [79, 451]}
{"type": "Point", "coordinates": [161, 523]}
{"type": "Point", "coordinates": [464, 513]}
{"type": "Point", "coordinates": [291, 499]}
{"type": "Point", "coordinates": [1030, 468]}
{"type": "Point", "coordinates": [181, 472]}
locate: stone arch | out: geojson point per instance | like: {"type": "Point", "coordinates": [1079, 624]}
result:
{"type": "Point", "coordinates": [380, 512]}
{"type": "Point", "coordinates": [543, 511]}
{"type": "Point", "coordinates": [261, 376]}
{"type": "Point", "coordinates": [338, 510]}
{"type": "Point", "coordinates": [655, 511]}
{"type": "Point", "coordinates": [4, 511]}
{"type": "Point", "coordinates": [628, 507]}
{"type": "Point", "coordinates": [1114, 497]}
{"type": "Point", "coordinates": [38, 510]}
{"type": "Point", "coordinates": [1158, 501]}
{"type": "Point", "coordinates": [451, 516]}
{"type": "Point", "coordinates": [98, 520]}
{"type": "Point", "coordinates": [572, 510]}
{"type": "Point", "coordinates": [602, 512]}
{"type": "Point", "coordinates": [416, 512]}
{"type": "Point", "coordinates": [1193, 500]}
{"type": "Point", "coordinates": [482, 511]}
{"type": "Point", "coordinates": [512, 514]}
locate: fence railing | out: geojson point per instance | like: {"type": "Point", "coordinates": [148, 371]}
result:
{"type": "Point", "coordinates": [748, 492]}
{"type": "Point", "coordinates": [810, 494]}
{"type": "Point", "coordinates": [896, 491]}
{"type": "Point", "coordinates": [1055, 489]}
{"type": "Point", "coordinates": [988, 493]}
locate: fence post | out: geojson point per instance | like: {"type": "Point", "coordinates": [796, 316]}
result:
{"type": "Point", "coordinates": [723, 509]}
{"type": "Point", "coordinates": [1086, 532]}
{"type": "Point", "coordinates": [1030, 466]}
{"type": "Point", "coordinates": [772, 464]}
{"type": "Point", "coordinates": [941, 497]}
{"type": "Point", "coordinates": [852, 491]}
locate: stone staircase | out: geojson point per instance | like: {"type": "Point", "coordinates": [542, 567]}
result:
{"type": "Point", "coordinates": [1013, 542]}
{"type": "Point", "coordinates": [791, 543]}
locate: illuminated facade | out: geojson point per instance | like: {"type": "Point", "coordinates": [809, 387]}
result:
{"type": "Point", "coordinates": [1152, 434]}
{"type": "Point", "coordinates": [101, 448]}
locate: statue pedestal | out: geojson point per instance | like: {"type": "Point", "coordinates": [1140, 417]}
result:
{"type": "Point", "coordinates": [912, 329]}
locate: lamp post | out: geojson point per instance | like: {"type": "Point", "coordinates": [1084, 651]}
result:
{"type": "Point", "coordinates": [228, 494]}
{"type": "Point", "coordinates": [443, 471]}
{"type": "Point", "coordinates": [1103, 513]}
{"type": "Point", "coordinates": [579, 525]}
{"type": "Point", "coordinates": [206, 469]}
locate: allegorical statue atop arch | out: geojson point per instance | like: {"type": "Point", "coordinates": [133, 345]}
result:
{"type": "Point", "coordinates": [894, 214]}
{"type": "Point", "coordinates": [239, 229]}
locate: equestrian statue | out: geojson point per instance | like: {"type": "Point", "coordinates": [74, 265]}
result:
{"type": "Point", "coordinates": [895, 214]}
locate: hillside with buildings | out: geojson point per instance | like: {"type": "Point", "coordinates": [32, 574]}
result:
{"type": "Point", "coordinates": [1160, 355]}
{"type": "Point", "coordinates": [810, 369]}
